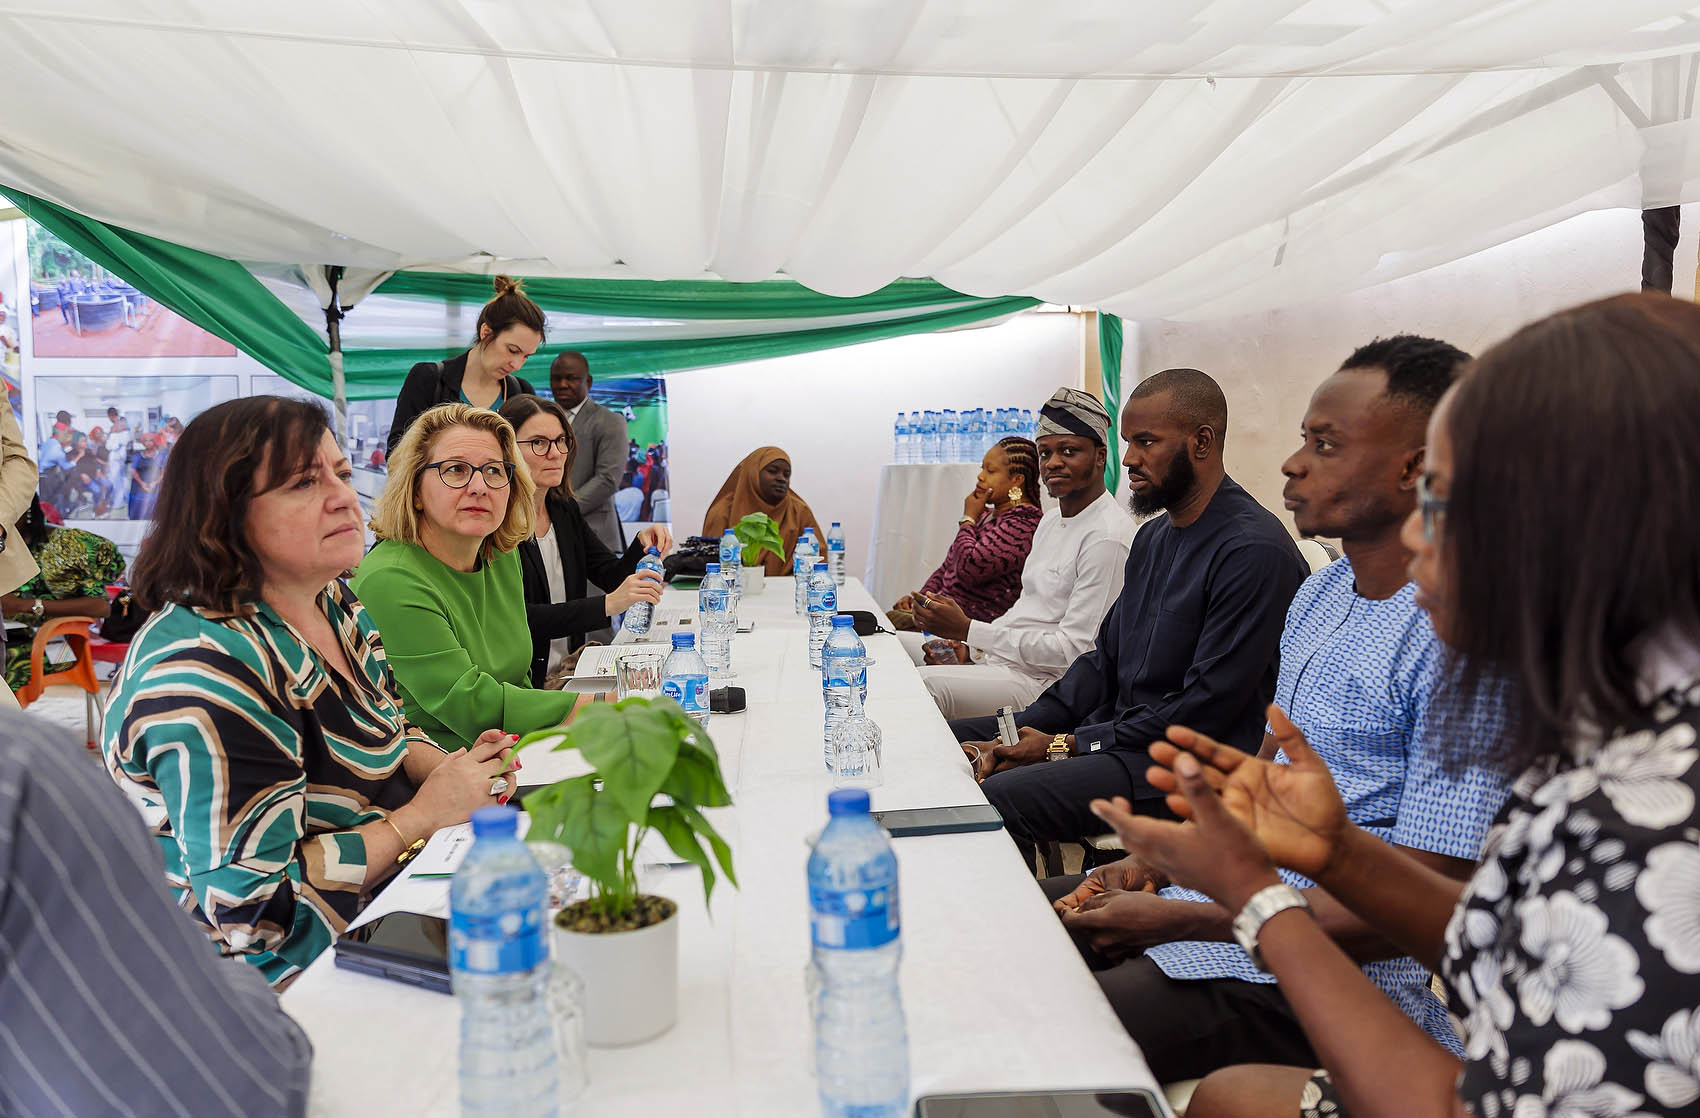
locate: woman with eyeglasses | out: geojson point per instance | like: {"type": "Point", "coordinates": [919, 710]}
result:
{"type": "Point", "coordinates": [562, 556]}
{"type": "Point", "coordinates": [444, 582]}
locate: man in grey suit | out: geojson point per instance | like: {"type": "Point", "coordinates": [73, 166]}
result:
{"type": "Point", "coordinates": [602, 447]}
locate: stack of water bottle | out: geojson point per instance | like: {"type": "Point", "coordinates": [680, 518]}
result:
{"type": "Point", "coordinates": [952, 436]}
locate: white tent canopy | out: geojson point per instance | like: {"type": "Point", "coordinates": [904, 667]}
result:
{"type": "Point", "coordinates": [1187, 158]}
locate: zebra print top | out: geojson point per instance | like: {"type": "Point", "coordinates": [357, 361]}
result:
{"type": "Point", "coordinates": [263, 759]}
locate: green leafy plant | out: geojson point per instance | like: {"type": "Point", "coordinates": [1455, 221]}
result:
{"type": "Point", "coordinates": [643, 750]}
{"type": "Point", "coordinates": [757, 533]}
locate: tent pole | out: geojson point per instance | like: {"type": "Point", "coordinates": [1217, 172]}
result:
{"type": "Point", "coordinates": [333, 330]}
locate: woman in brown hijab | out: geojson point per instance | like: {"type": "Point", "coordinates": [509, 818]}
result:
{"type": "Point", "coordinates": [762, 483]}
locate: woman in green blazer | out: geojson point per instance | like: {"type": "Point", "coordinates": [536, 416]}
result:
{"type": "Point", "coordinates": [444, 581]}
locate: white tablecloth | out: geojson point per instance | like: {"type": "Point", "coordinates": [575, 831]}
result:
{"type": "Point", "coordinates": [995, 994]}
{"type": "Point", "coordinates": [915, 516]}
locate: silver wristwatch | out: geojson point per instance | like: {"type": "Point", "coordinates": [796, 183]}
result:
{"type": "Point", "coordinates": [1264, 903]}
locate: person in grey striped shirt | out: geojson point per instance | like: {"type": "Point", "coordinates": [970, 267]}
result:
{"type": "Point", "coordinates": [114, 1001]}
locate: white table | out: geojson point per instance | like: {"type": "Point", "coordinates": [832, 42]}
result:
{"type": "Point", "coordinates": [995, 994]}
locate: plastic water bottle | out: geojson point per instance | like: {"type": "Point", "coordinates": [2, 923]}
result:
{"type": "Point", "coordinates": [732, 565]}
{"type": "Point", "coordinates": [899, 439]}
{"type": "Point", "coordinates": [835, 551]}
{"type": "Point", "coordinates": [823, 607]}
{"type": "Point", "coordinates": [861, 1039]}
{"type": "Point", "coordinates": [499, 960]}
{"type": "Point", "coordinates": [950, 434]}
{"type": "Point", "coordinates": [916, 422]}
{"type": "Point", "coordinates": [684, 677]}
{"type": "Point", "coordinates": [639, 614]}
{"type": "Point", "coordinates": [844, 670]}
{"type": "Point", "coordinates": [716, 621]}
{"type": "Point", "coordinates": [1029, 425]}
{"type": "Point", "coordinates": [929, 437]}
{"type": "Point", "coordinates": [856, 748]}
{"type": "Point", "coordinates": [802, 564]}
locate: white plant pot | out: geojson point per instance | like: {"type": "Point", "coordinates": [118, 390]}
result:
{"type": "Point", "coordinates": [631, 980]}
{"type": "Point", "coordinates": [754, 578]}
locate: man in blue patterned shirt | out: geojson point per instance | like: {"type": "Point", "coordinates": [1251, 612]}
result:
{"type": "Point", "coordinates": [1360, 664]}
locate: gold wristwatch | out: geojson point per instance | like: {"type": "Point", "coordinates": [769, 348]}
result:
{"type": "Point", "coordinates": [1058, 749]}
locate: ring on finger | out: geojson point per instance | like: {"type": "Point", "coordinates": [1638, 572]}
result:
{"type": "Point", "coordinates": [498, 786]}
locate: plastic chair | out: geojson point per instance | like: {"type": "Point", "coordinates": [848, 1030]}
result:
{"type": "Point", "coordinates": [76, 634]}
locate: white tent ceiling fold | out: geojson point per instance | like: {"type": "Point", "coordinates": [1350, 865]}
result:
{"type": "Point", "coordinates": [1178, 159]}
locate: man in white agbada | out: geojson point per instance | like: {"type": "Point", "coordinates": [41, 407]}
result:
{"type": "Point", "coordinates": [1073, 575]}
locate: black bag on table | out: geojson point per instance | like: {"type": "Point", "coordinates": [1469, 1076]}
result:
{"type": "Point", "coordinates": [691, 558]}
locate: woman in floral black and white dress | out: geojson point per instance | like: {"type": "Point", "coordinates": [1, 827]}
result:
{"type": "Point", "coordinates": [1558, 550]}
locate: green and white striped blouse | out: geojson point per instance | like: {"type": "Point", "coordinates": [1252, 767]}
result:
{"type": "Point", "coordinates": [263, 760]}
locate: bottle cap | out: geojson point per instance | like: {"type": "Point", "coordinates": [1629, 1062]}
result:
{"type": "Point", "coordinates": [652, 551]}
{"type": "Point", "coordinates": [844, 801]}
{"type": "Point", "coordinates": [684, 640]}
{"type": "Point", "coordinates": [836, 524]}
{"type": "Point", "coordinates": [820, 565]}
{"type": "Point", "coordinates": [842, 621]}
{"type": "Point", "coordinates": [728, 532]}
{"type": "Point", "coordinates": [711, 569]}
{"type": "Point", "coordinates": [495, 822]}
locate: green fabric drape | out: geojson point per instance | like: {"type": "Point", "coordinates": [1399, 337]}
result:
{"type": "Point", "coordinates": [678, 299]}
{"type": "Point", "coordinates": [222, 297]}
{"type": "Point", "coordinates": [218, 295]}
{"type": "Point", "coordinates": [1110, 360]}
{"type": "Point", "coordinates": [374, 373]}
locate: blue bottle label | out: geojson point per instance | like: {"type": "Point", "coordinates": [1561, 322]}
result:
{"type": "Point", "coordinates": [823, 598]}
{"type": "Point", "coordinates": [689, 691]}
{"type": "Point", "coordinates": [854, 919]}
{"type": "Point", "coordinates": [509, 942]}
{"type": "Point", "coordinates": [714, 599]}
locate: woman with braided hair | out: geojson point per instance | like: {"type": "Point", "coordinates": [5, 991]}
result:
{"type": "Point", "coordinates": [982, 570]}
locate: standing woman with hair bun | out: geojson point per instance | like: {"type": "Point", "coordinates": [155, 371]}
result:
{"type": "Point", "coordinates": [510, 328]}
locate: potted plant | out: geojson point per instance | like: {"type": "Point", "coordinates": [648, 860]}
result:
{"type": "Point", "coordinates": [655, 770]}
{"type": "Point", "coordinates": [757, 533]}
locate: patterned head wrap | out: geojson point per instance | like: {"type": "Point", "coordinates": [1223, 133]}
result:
{"type": "Point", "coordinates": [1073, 412]}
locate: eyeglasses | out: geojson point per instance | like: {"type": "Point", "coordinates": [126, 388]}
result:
{"type": "Point", "coordinates": [1433, 509]}
{"type": "Point", "coordinates": [540, 445]}
{"type": "Point", "coordinates": [456, 473]}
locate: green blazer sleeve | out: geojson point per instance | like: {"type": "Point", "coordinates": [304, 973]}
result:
{"type": "Point", "coordinates": [442, 654]}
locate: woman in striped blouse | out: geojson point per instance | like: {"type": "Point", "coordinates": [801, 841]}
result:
{"type": "Point", "coordinates": [256, 706]}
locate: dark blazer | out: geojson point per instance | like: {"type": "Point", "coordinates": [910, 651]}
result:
{"type": "Point", "coordinates": [430, 383]}
{"type": "Point", "coordinates": [583, 557]}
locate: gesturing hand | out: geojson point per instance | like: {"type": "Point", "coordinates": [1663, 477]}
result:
{"type": "Point", "coordinates": [1294, 810]}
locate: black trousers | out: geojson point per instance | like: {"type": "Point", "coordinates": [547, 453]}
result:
{"type": "Point", "coordinates": [1188, 1028]}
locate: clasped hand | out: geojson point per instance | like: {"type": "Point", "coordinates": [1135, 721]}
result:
{"type": "Point", "coordinates": [990, 757]}
{"type": "Point", "coordinates": [1243, 816]}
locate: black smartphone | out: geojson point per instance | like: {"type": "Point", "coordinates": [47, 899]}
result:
{"type": "Point", "coordinates": [403, 946]}
{"type": "Point", "coordinates": [939, 820]}
{"type": "Point", "coordinates": [1131, 1102]}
